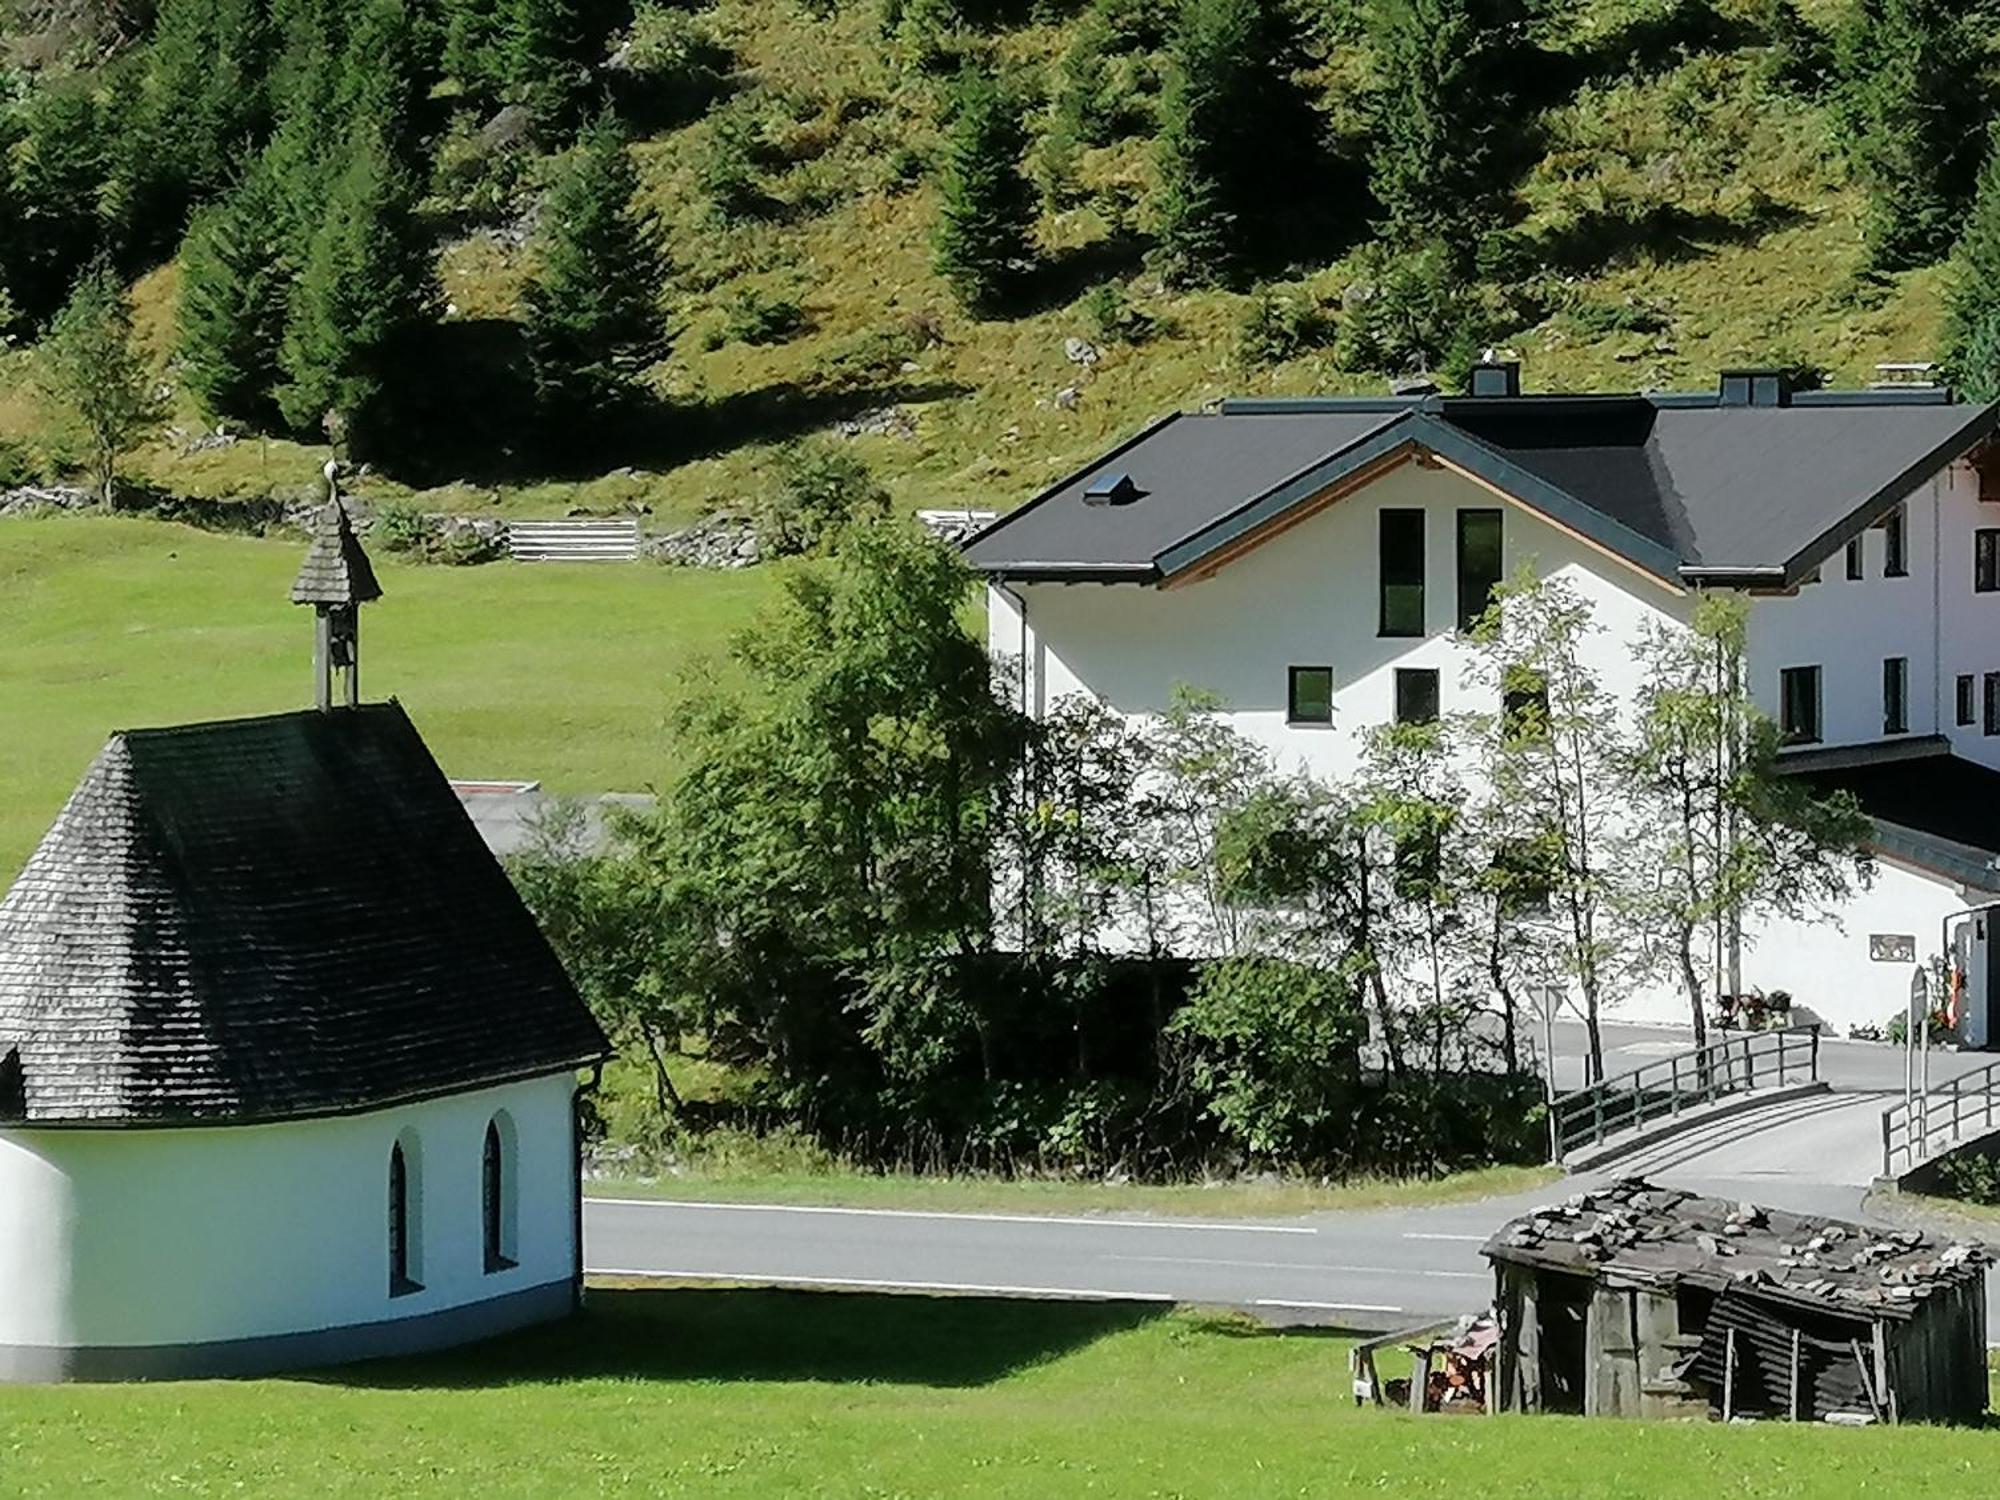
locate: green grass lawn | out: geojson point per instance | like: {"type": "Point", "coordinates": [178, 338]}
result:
{"type": "Point", "coordinates": [550, 673]}
{"type": "Point", "coordinates": [697, 1392]}
{"type": "Point", "coordinates": [1226, 1199]}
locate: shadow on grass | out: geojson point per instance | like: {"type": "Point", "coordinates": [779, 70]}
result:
{"type": "Point", "coordinates": [472, 415]}
{"type": "Point", "coordinates": [1663, 233]}
{"type": "Point", "coordinates": [765, 1334]}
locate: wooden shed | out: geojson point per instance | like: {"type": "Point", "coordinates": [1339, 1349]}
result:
{"type": "Point", "coordinates": [1642, 1301]}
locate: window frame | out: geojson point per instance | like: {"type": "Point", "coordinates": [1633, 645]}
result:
{"type": "Point", "coordinates": [1469, 616]}
{"type": "Point", "coordinates": [1402, 577]}
{"type": "Point", "coordinates": [494, 1180]}
{"type": "Point", "coordinates": [1408, 678]}
{"type": "Point", "coordinates": [1986, 560]}
{"type": "Point", "coordinates": [403, 1257]}
{"type": "Point", "coordinates": [1991, 691]}
{"type": "Point", "coordinates": [1792, 733]}
{"type": "Point", "coordinates": [1895, 695]}
{"type": "Point", "coordinates": [1967, 700]}
{"type": "Point", "coordinates": [1856, 566]}
{"type": "Point", "coordinates": [1292, 717]}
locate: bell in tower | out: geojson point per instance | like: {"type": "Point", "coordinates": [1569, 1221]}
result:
{"type": "Point", "coordinates": [336, 581]}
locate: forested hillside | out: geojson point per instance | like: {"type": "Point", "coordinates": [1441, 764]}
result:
{"type": "Point", "coordinates": [550, 254]}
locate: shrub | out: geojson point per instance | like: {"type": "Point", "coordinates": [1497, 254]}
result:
{"type": "Point", "coordinates": [1281, 325]}
{"type": "Point", "coordinates": [1971, 1178]}
{"type": "Point", "coordinates": [1110, 316]}
{"type": "Point", "coordinates": [401, 528]}
{"type": "Point", "coordinates": [732, 166]}
{"type": "Point", "coordinates": [750, 317]}
{"type": "Point", "coordinates": [476, 178]}
{"type": "Point", "coordinates": [821, 488]}
{"type": "Point", "coordinates": [671, 67]}
{"type": "Point", "coordinates": [1418, 313]}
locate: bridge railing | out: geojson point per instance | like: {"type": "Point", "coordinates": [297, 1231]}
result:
{"type": "Point", "coordinates": [1947, 1115]}
{"type": "Point", "coordinates": [1667, 1088]}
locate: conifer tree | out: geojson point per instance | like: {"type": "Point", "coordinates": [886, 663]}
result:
{"type": "Point", "coordinates": [60, 164]}
{"type": "Point", "coordinates": [236, 269]}
{"type": "Point", "coordinates": [363, 286]}
{"type": "Point", "coordinates": [592, 309]}
{"type": "Point", "coordinates": [549, 55]}
{"type": "Point", "coordinates": [475, 47]}
{"type": "Point", "coordinates": [983, 246]}
{"type": "Point", "coordinates": [1971, 353]}
{"type": "Point", "coordinates": [1912, 118]}
{"type": "Point", "coordinates": [1444, 115]}
{"type": "Point", "coordinates": [1237, 140]}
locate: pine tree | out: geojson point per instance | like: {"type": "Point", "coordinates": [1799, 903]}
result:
{"type": "Point", "coordinates": [1237, 139]}
{"type": "Point", "coordinates": [475, 48]}
{"type": "Point", "coordinates": [1971, 353]}
{"type": "Point", "coordinates": [549, 55]}
{"type": "Point", "coordinates": [364, 285]}
{"type": "Point", "coordinates": [90, 367]}
{"type": "Point", "coordinates": [592, 309]}
{"type": "Point", "coordinates": [1912, 117]}
{"type": "Point", "coordinates": [236, 268]}
{"type": "Point", "coordinates": [60, 165]}
{"type": "Point", "coordinates": [983, 245]}
{"type": "Point", "coordinates": [1444, 115]}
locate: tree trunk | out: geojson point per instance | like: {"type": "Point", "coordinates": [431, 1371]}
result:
{"type": "Point", "coordinates": [1496, 970]}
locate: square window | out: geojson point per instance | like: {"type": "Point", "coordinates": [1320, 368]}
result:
{"type": "Point", "coordinates": [1798, 705]}
{"type": "Point", "coordinates": [1479, 560]}
{"type": "Point", "coordinates": [1896, 695]}
{"type": "Point", "coordinates": [1310, 700]}
{"type": "Point", "coordinates": [1402, 566]}
{"type": "Point", "coordinates": [1967, 710]}
{"type": "Point", "coordinates": [1416, 695]}
{"type": "Point", "coordinates": [1854, 558]}
{"type": "Point", "coordinates": [1986, 560]}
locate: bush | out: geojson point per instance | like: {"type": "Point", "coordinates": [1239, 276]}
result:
{"type": "Point", "coordinates": [1418, 314]}
{"type": "Point", "coordinates": [1110, 317]}
{"type": "Point", "coordinates": [750, 317]}
{"type": "Point", "coordinates": [401, 528]}
{"type": "Point", "coordinates": [1970, 1177]}
{"type": "Point", "coordinates": [732, 166]}
{"type": "Point", "coordinates": [821, 488]}
{"type": "Point", "coordinates": [671, 67]}
{"type": "Point", "coordinates": [477, 176]}
{"type": "Point", "coordinates": [1278, 326]}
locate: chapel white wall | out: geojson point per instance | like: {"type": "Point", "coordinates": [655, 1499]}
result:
{"type": "Point", "coordinates": [179, 1236]}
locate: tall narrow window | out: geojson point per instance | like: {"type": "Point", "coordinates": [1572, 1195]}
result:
{"type": "Point", "coordinates": [1854, 569]}
{"type": "Point", "coordinates": [1894, 563]}
{"type": "Point", "coordinates": [402, 1279]}
{"type": "Point", "coordinates": [1896, 695]}
{"type": "Point", "coordinates": [1402, 572]}
{"type": "Point", "coordinates": [1478, 563]}
{"type": "Point", "coordinates": [1798, 705]}
{"type": "Point", "coordinates": [1310, 698]}
{"type": "Point", "coordinates": [1991, 689]}
{"type": "Point", "coordinates": [1416, 695]}
{"type": "Point", "coordinates": [493, 1200]}
{"type": "Point", "coordinates": [1967, 711]}
{"type": "Point", "coordinates": [1986, 560]}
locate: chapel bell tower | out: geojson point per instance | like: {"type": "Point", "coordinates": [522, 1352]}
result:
{"type": "Point", "coordinates": [336, 581]}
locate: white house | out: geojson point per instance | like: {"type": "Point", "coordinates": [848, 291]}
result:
{"type": "Point", "coordinates": [287, 1071]}
{"type": "Point", "coordinates": [1312, 562]}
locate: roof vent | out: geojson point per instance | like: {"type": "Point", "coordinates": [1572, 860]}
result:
{"type": "Point", "coordinates": [1420, 384]}
{"type": "Point", "coordinates": [1495, 377]}
{"type": "Point", "coordinates": [1767, 387]}
{"type": "Point", "coordinates": [1112, 489]}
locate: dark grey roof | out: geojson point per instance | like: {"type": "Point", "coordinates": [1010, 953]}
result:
{"type": "Point", "coordinates": [1681, 486]}
{"type": "Point", "coordinates": [336, 569]}
{"type": "Point", "coordinates": [268, 919]}
{"type": "Point", "coordinates": [1667, 1236]}
{"type": "Point", "coordinates": [1930, 807]}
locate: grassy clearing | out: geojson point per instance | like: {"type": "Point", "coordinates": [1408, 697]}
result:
{"type": "Point", "coordinates": [553, 673]}
{"type": "Point", "coordinates": [751, 1393]}
{"type": "Point", "coordinates": [1250, 1198]}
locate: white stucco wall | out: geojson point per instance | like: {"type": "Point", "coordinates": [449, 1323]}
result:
{"type": "Point", "coordinates": [189, 1236]}
{"type": "Point", "coordinates": [1309, 598]}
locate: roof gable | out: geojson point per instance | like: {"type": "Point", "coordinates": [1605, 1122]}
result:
{"type": "Point", "coordinates": [336, 569]}
{"type": "Point", "coordinates": [268, 919]}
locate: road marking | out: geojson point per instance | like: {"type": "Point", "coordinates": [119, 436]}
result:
{"type": "Point", "coordinates": [1463, 1239]}
{"type": "Point", "coordinates": [1368, 1307]}
{"type": "Point", "coordinates": [861, 1284]}
{"type": "Point", "coordinates": [1296, 1265]}
{"type": "Point", "coordinates": [914, 1213]}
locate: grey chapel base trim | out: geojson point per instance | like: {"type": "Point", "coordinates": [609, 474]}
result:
{"type": "Point", "coordinates": [230, 1358]}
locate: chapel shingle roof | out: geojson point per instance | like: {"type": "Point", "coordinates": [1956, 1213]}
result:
{"type": "Point", "coordinates": [336, 569]}
{"type": "Point", "coordinates": [268, 919]}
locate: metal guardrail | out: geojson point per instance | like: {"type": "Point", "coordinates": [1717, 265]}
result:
{"type": "Point", "coordinates": [587, 540]}
{"type": "Point", "coordinates": [1943, 1117]}
{"type": "Point", "coordinates": [1660, 1090]}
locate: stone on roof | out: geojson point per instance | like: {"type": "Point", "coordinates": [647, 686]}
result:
{"type": "Point", "coordinates": [336, 570]}
{"type": "Point", "coordinates": [271, 919]}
